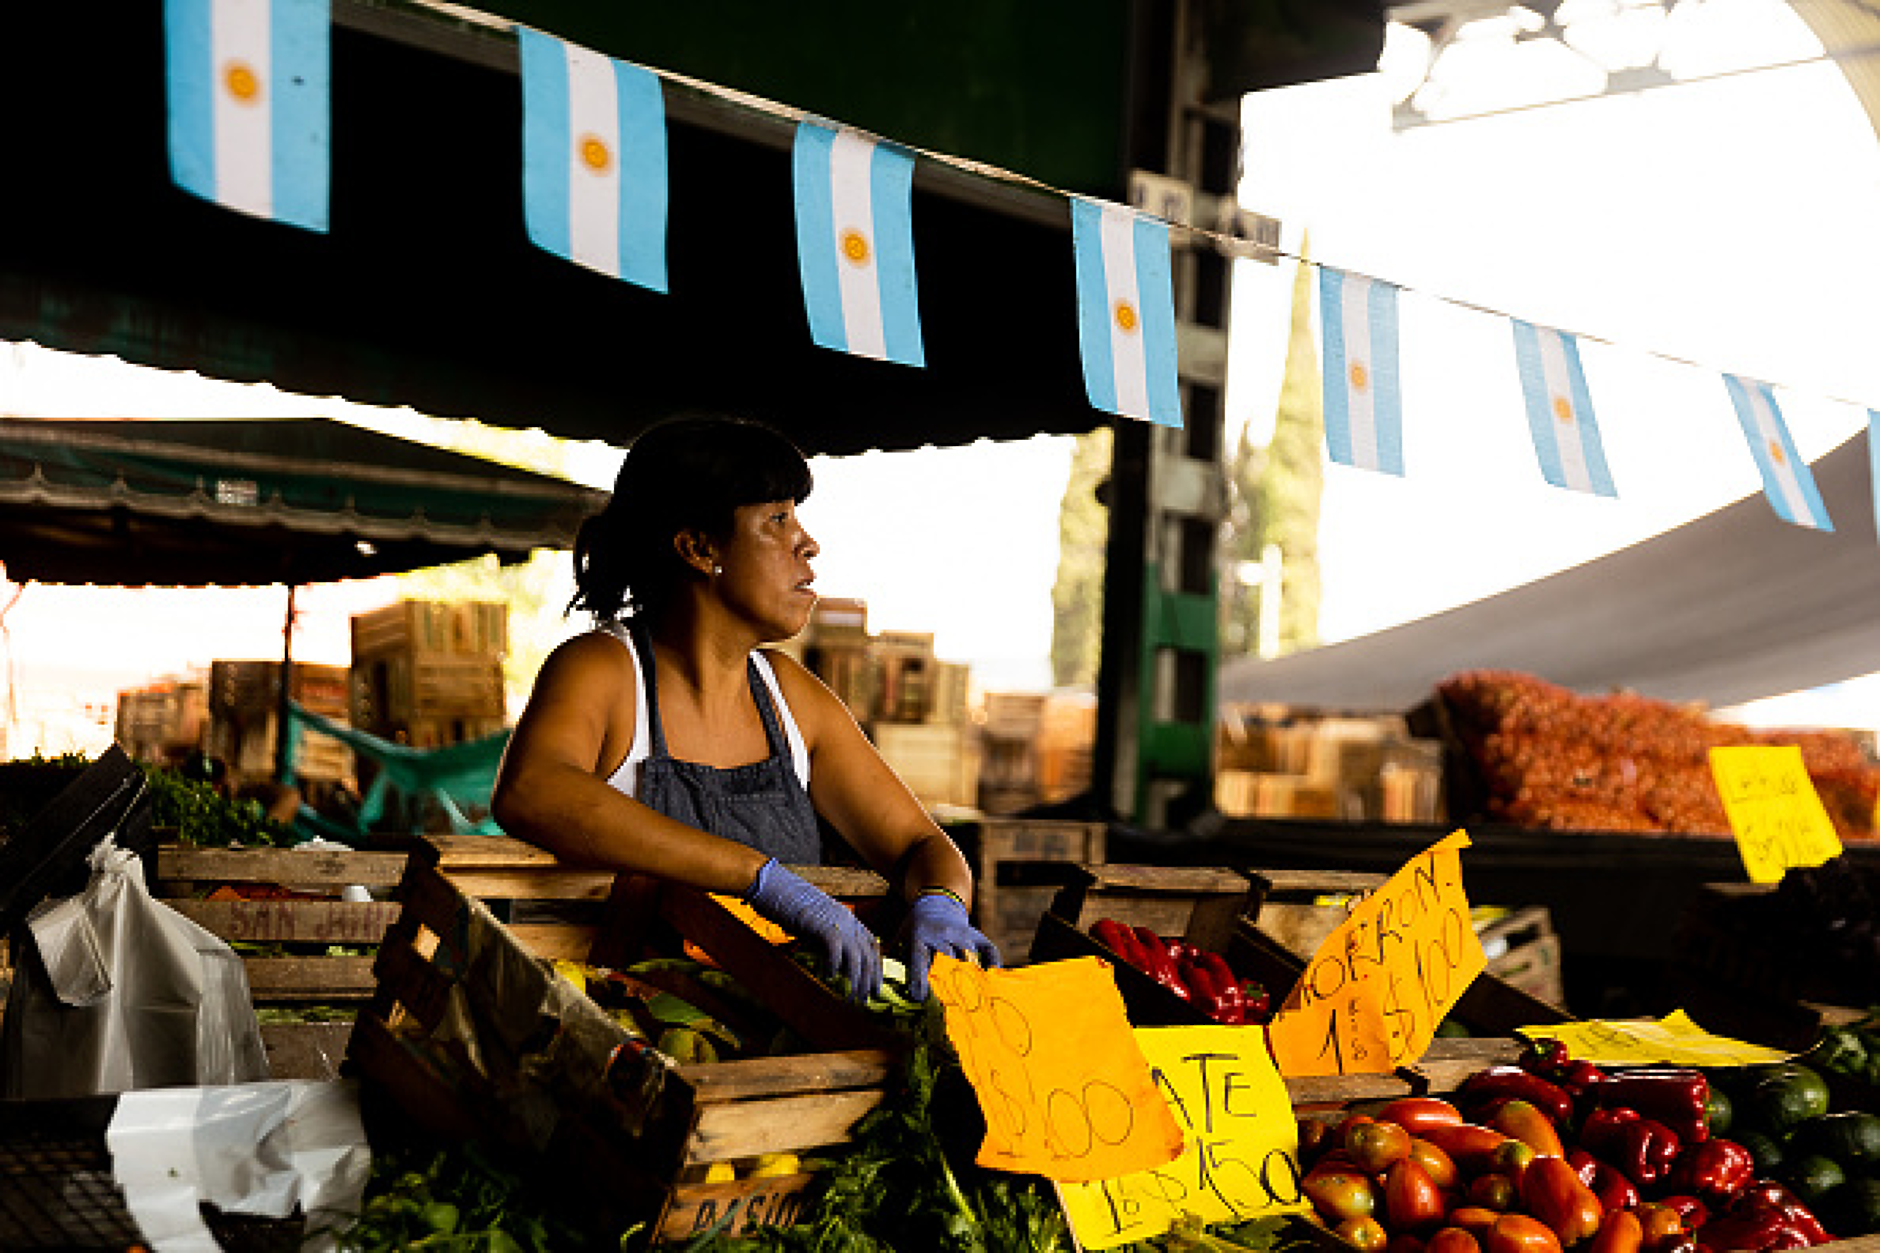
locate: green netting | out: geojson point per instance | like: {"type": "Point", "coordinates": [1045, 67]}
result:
{"type": "Point", "coordinates": [456, 777]}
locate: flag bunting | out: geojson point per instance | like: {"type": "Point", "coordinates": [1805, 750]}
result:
{"type": "Point", "coordinates": [1126, 312]}
{"type": "Point", "coordinates": [1560, 410]}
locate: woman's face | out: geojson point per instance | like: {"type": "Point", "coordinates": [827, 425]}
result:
{"type": "Point", "coordinates": [767, 575]}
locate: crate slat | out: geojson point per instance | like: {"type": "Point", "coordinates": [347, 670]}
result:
{"type": "Point", "coordinates": [294, 868]}
{"type": "Point", "coordinates": [733, 1129]}
{"type": "Point", "coordinates": [304, 922]}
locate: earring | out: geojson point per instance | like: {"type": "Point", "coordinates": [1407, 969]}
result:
{"type": "Point", "coordinates": [716, 570]}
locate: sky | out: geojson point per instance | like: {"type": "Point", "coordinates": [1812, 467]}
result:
{"type": "Point", "coordinates": [1681, 232]}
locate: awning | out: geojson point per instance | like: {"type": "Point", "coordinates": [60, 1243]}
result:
{"type": "Point", "coordinates": [259, 501]}
{"type": "Point", "coordinates": [1735, 606]}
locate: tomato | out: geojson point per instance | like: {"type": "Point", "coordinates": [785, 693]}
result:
{"type": "Point", "coordinates": [1474, 1219]}
{"type": "Point", "coordinates": [1660, 1225]}
{"type": "Point", "coordinates": [1512, 1158]}
{"type": "Point", "coordinates": [1340, 1192]}
{"type": "Point", "coordinates": [1411, 1201]}
{"type": "Point", "coordinates": [1452, 1240]}
{"type": "Point", "coordinates": [1495, 1191]}
{"type": "Point", "coordinates": [1524, 1121]}
{"type": "Point", "coordinates": [1377, 1146]}
{"type": "Point", "coordinates": [1441, 1168]}
{"type": "Point", "coordinates": [1553, 1192]}
{"type": "Point", "coordinates": [1365, 1234]}
{"type": "Point", "coordinates": [1413, 1113]}
{"type": "Point", "coordinates": [1520, 1233]}
{"type": "Point", "coordinates": [1469, 1145]}
{"type": "Point", "coordinates": [1315, 1138]}
{"type": "Point", "coordinates": [1619, 1232]}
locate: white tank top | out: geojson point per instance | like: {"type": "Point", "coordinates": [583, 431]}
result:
{"type": "Point", "coordinates": [627, 778]}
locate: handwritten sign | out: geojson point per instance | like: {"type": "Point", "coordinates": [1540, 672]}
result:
{"type": "Point", "coordinates": [1373, 994]}
{"type": "Point", "coordinates": [1242, 1154]}
{"type": "Point", "coordinates": [1674, 1040]}
{"type": "Point", "coordinates": [1774, 809]}
{"type": "Point", "coordinates": [1059, 1075]}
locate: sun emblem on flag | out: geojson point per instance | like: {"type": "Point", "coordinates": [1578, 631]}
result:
{"type": "Point", "coordinates": [1360, 377]}
{"type": "Point", "coordinates": [855, 249]}
{"type": "Point", "coordinates": [1126, 317]}
{"type": "Point", "coordinates": [242, 82]}
{"type": "Point", "coordinates": [1776, 454]}
{"type": "Point", "coordinates": [596, 156]}
{"type": "Point", "coordinates": [1563, 411]}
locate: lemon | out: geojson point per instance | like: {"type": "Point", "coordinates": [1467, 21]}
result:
{"type": "Point", "coordinates": [720, 1172]}
{"type": "Point", "coordinates": [772, 1165]}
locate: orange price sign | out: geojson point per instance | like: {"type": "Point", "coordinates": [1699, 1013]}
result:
{"type": "Point", "coordinates": [1373, 994]}
{"type": "Point", "coordinates": [1057, 1070]}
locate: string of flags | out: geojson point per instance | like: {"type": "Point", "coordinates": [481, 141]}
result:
{"type": "Point", "coordinates": [249, 88]}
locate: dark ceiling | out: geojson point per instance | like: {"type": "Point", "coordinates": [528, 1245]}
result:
{"type": "Point", "coordinates": [427, 292]}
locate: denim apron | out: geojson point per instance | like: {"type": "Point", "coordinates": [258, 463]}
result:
{"type": "Point", "coordinates": [762, 805]}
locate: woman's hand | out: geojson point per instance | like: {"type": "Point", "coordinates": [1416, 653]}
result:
{"type": "Point", "coordinates": [937, 923]}
{"type": "Point", "coordinates": [807, 912]}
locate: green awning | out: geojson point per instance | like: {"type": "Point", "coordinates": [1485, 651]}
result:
{"type": "Point", "coordinates": [259, 501]}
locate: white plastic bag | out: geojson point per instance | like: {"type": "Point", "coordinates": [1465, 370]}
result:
{"type": "Point", "coordinates": [125, 993]}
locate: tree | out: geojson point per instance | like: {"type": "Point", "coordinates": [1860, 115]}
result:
{"type": "Point", "coordinates": [1274, 498]}
{"type": "Point", "coordinates": [1077, 596]}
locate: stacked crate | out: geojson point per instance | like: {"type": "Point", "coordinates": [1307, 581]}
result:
{"type": "Point", "coordinates": [429, 673]}
{"type": "Point", "coordinates": [163, 719]}
{"type": "Point", "coordinates": [1276, 761]}
{"type": "Point", "coordinates": [244, 701]}
{"type": "Point", "coordinates": [1008, 777]}
{"type": "Point", "coordinates": [1018, 866]}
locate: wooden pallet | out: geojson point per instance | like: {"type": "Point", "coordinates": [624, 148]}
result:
{"type": "Point", "coordinates": [637, 1129]}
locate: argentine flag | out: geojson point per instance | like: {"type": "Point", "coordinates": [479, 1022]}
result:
{"type": "Point", "coordinates": [249, 96]}
{"type": "Point", "coordinates": [594, 159]}
{"type": "Point", "coordinates": [855, 244]}
{"type": "Point", "coordinates": [1787, 481]}
{"type": "Point", "coordinates": [1126, 312]}
{"type": "Point", "coordinates": [1559, 410]}
{"type": "Point", "coordinates": [1363, 408]}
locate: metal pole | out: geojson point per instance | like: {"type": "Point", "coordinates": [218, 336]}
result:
{"type": "Point", "coordinates": [283, 768]}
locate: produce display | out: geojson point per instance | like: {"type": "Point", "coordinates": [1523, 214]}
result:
{"type": "Point", "coordinates": [1197, 975]}
{"type": "Point", "coordinates": [1817, 931]}
{"type": "Point", "coordinates": [1548, 757]}
{"type": "Point", "coordinates": [1554, 1153]}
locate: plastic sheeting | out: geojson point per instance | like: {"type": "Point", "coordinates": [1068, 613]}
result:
{"type": "Point", "coordinates": [1734, 606]}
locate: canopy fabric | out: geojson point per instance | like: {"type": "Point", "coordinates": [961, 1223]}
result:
{"type": "Point", "coordinates": [1734, 606]}
{"type": "Point", "coordinates": [259, 501]}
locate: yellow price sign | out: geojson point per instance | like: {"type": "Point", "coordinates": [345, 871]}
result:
{"type": "Point", "coordinates": [1774, 810]}
{"type": "Point", "coordinates": [1372, 996]}
{"type": "Point", "coordinates": [1056, 1068]}
{"type": "Point", "coordinates": [1674, 1040]}
{"type": "Point", "coordinates": [1241, 1158]}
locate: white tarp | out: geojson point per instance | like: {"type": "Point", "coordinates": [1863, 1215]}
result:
{"type": "Point", "coordinates": [1732, 607]}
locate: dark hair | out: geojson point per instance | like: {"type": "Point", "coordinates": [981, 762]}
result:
{"type": "Point", "coordinates": [686, 474]}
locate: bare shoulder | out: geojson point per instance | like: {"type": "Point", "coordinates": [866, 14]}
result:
{"type": "Point", "coordinates": [591, 658]}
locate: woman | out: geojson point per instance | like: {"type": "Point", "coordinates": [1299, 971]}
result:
{"type": "Point", "coordinates": [670, 742]}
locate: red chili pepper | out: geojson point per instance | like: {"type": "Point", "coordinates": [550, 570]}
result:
{"type": "Point", "coordinates": [1208, 976]}
{"type": "Point", "coordinates": [1608, 1182]}
{"type": "Point", "coordinates": [1119, 939]}
{"type": "Point", "coordinates": [1256, 999]}
{"type": "Point", "coordinates": [1677, 1097]}
{"type": "Point", "coordinates": [1502, 1082]}
{"type": "Point", "coordinates": [1644, 1148]}
{"type": "Point", "coordinates": [1716, 1169]}
{"type": "Point", "coordinates": [1160, 965]}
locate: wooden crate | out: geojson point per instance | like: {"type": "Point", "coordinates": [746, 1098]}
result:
{"type": "Point", "coordinates": [939, 761]}
{"type": "Point", "coordinates": [632, 1130]}
{"type": "Point", "coordinates": [1292, 911]}
{"type": "Point", "coordinates": [305, 976]}
{"type": "Point", "coordinates": [408, 627]}
{"type": "Point", "coordinates": [1524, 953]}
{"type": "Point", "coordinates": [1018, 866]}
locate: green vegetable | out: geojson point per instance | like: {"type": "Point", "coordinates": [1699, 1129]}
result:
{"type": "Point", "coordinates": [1764, 1148]}
{"type": "Point", "coordinates": [1718, 1111]}
{"type": "Point", "coordinates": [1850, 1137]}
{"type": "Point", "coordinates": [1788, 1096]}
{"type": "Point", "coordinates": [1853, 1209]}
{"type": "Point", "coordinates": [1812, 1176]}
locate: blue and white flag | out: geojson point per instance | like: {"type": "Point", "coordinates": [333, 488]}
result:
{"type": "Point", "coordinates": [1873, 460]}
{"type": "Point", "coordinates": [1363, 407]}
{"type": "Point", "coordinates": [1560, 410]}
{"type": "Point", "coordinates": [855, 244]}
{"type": "Point", "coordinates": [594, 159]}
{"type": "Point", "coordinates": [1787, 481]}
{"type": "Point", "coordinates": [1126, 312]}
{"type": "Point", "coordinates": [249, 85]}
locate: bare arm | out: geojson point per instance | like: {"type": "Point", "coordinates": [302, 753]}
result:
{"type": "Point", "coordinates": [551, 788]}
{"type": "Point", "coordinates": [861, 796]}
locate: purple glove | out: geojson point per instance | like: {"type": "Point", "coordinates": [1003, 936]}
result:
{"type": "Point", "coordinates": [809, 913]}
{"type": "Point", "coordinates": [937, 923]}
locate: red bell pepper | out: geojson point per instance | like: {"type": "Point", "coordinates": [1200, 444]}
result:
{"type": "Point", "coordinates": [1608, 1182]}
{"type": "Point", "coordinates": [1215, 989]}
{"type": "Point", "coordinates": [1643, 1148]}
{"type": "Point", "coordinates": [1694, 1212]}
{"type": "Point", "coordinates": [1677, 1097]}
{"type": "Point", "coordinates": [1766, 1196]}
{"type": "Point", "coordinates": [1550, 1060]}
{"type": "Point", "coordinates": [1716, 1169]}
{"type": "Point", "coordinates": [1503, 1082]}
